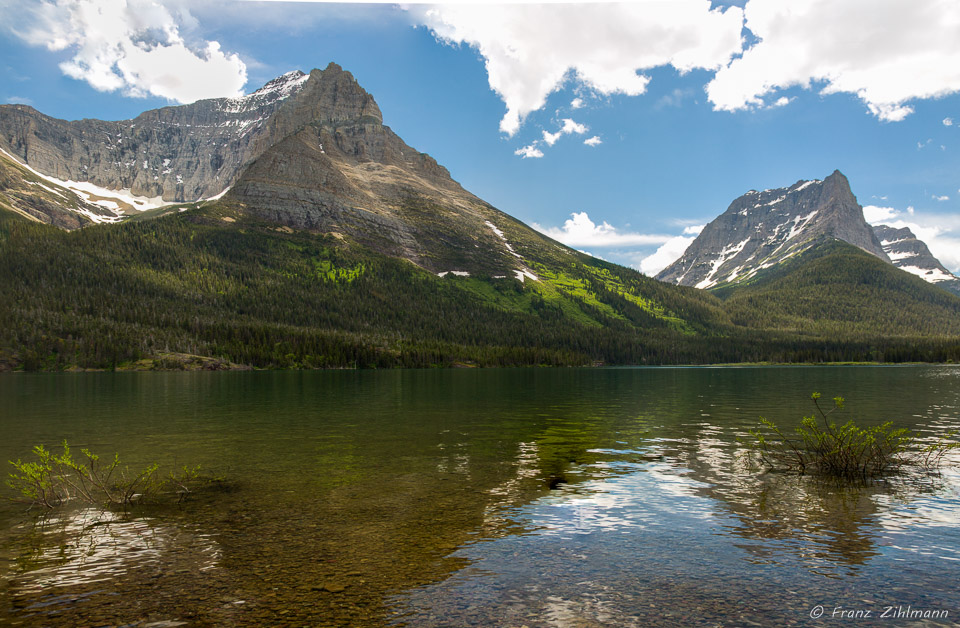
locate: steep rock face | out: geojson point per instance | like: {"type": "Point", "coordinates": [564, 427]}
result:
{"type": "Point", "coordinates": [344, 172]}
{"type": "Point", "coordinates": [761, 229]}
{"type": "Point", "coordinates": [182, 153]}
{"type": "Point", "coordinates": [909, 253]}
{"type": "Point", "coordinates": [307, 151]}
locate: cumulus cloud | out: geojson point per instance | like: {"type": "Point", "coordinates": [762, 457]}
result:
{"type": "Point", "coordinates": [567, 128]}
{"type": "Point", "coordinates": [669, 252]}
{"type": "Point", "coordinates": [551, 138]}
{"type": "Point", "coordinates": [529, 152]}
{"type": "Point", "coordinates": [877, 215]}
{"type": "Point", "coordinates": [576, 103]}
{"type": "Point", "coordinates": [570, 127]}
{"type": "Point", "coordinates": [531, 50]}
{"type": "Point", "coordinates": [593, 141]}
{"type": "Point", "coordinates": [580, 231]}
{"type": "Point", "coordinates": [948, 122]}
{"type": "Point", "coordinates": [886, 52]}
{"type": "Point", "coordinates": [940, 232]}
{"type": "Point", "coordinates": [131, 45]}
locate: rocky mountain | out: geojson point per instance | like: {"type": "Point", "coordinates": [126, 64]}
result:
{"type": "Point", "coordinates": [183, 153]}
{"type": "Point", "coordinates": [762, 229]}
{"type": "Point", "coordinates": [370, 186]}
{"type": "Point", "coordinates": [336, 244]}
{"type": "Point", "coordinates": [307, 151]}
{"type": "Point", "coordinates": [909, 253]}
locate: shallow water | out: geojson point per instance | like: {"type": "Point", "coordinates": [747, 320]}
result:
{"type": "Point", "coordinates": [560, 497]}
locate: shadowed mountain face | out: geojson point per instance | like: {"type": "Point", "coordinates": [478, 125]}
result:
{"type": "Point", "coordinates": [762, 229]}
{"type": "Point", "coordinates": [912, 255]}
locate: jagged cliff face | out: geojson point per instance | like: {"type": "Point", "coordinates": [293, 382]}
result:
{"type": "Point", "coordinates": [762, 229]}
{"type": "Point", "coordinates": [182, 153]}
{"type": "Point", "coordinates": [339, 170]}
{"type": "Point", "coordinates": [307, 151]}
{"type": "Point", "coordinates": [909, 253]}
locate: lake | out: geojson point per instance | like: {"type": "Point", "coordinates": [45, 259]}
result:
{"type": "Point", "coordinates": [514, 497]}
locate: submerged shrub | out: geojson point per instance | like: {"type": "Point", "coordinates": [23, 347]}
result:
{"type": "Point", "coordinates": [54, 479]}
{"type": "Point", "coordinates": [821, 447]}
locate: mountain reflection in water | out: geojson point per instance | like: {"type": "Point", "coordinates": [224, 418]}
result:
{"type": "Point", "coordinates": [561, 497]}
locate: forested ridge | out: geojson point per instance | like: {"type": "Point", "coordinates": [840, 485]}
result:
{"type": "Point", "coordinates": [214, 282]}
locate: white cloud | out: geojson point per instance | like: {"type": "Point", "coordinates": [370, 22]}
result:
{"type": "Point", "coordinates": [948, 122]}
{"type": "Point", "coordinates": [877, 215]}
{"type": "Point", "coordinates": [886, 52]}
{"type": "Point", "coordinates": [131, 45]}
{"type": "Point", "coordinates": [529, 152]}
{"type": "Point", "coordinates": [580, 231]}
{"type": "Point", "coordinates": [593, 141]}
{"type": "Point", "coordinates": [576, 103]}
{"type": "Point", "coordinates": [941, 198]}
{"type": "Point", "coordinates": [531, 50]}
{"type": "Point", "coordinates": [569, 127]}
{"type": "Point", "coordinates": [551, 138]}
{"type": "Point", "coordinates": [669, 252]}
{"type": "Point", "coordinates": [781, 102]}
{"type": "Point", "coordinates": [19, 100]}
{"type": "Point", "coordinates": [940, 232]}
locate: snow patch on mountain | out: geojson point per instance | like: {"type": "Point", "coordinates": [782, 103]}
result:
{"type": "Point", "coordinates": [761, 229]}
{"type": "Point", "coordinates": [726, 254]}
{"type": "Point", "coordinates": [276, 90]}
{"type": "Point", "coordinates": [910, 254]}
{"type": "Point", "coordinates": [933, 275]}
{"type": "Point", "coordinates": [115, 201]}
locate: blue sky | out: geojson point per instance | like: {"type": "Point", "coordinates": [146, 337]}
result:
{"type": "Point", "coordinates": [620, 129]}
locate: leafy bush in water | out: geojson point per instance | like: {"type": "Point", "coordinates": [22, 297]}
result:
{"type": "Point", "coordinates": [821, 447]}
{"type": "Point", "coordinates": [54, 479]}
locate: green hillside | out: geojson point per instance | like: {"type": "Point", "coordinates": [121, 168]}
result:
{"type": "Point", "coordinates": [835, 290]}
{"type": "Point", "coordinates": [214, 282]}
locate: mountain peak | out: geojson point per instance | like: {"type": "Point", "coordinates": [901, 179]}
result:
{"type": "Point", "coordinates": [761, 229]}
{"type": "Point", "coordinates": [188, 152]}
{"type": "Point", "coordinates": [333, 95]}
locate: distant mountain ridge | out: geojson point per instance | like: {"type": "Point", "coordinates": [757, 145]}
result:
{"type": "Point", "coordinates": [761, 230]}
{"type": "Point", "coordinates": [336, 244]}
{"type": "Point", "coordinates": [911, 254]}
